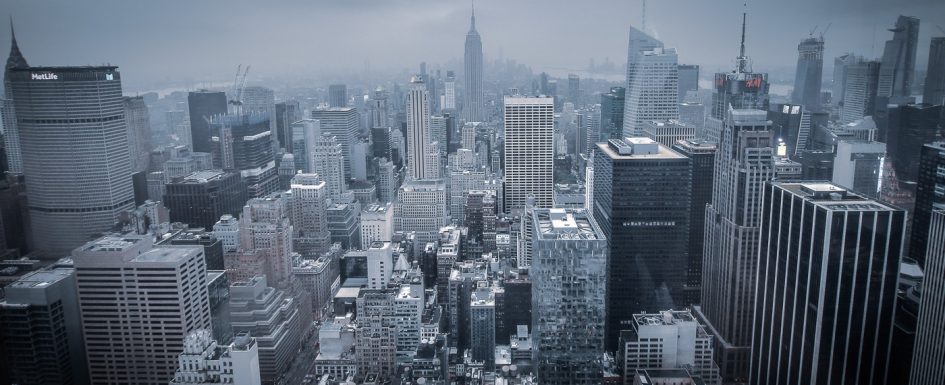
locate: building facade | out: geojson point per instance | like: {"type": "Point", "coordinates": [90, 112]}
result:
{"type": "Point", "coordinates": [529, 151]}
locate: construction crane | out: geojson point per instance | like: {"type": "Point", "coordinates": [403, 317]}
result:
{"type": "Point", "coordinates": [238, 84]}
{"type": "Point", "coordinates": [940, 28]}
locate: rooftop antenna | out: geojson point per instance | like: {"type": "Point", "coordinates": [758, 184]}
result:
{"type": "Point", "coordinates": [742, 59]}
{"type": "Point", "coordinates": [644, 17]}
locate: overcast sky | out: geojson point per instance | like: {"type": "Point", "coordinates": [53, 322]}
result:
{"type": "Point", "coordinates": [170, 40]}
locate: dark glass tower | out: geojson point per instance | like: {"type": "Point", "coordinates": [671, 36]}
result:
{"type": "Point", "coordinates": [202, 105]}
{"type": "Point", "coordinates": [897, 72]}
{"type": "Point", "coordinates": [827, 279]}
{"type": "Point", "coordinates": [934, 91]}
{"type": "Point", "coordinates": [929, 196]}
{"type": "Point", "coordinates": [286, 113]}
{"type": "Point", "coordinates": [611, 114]}
{"type": "Point", "coordinates": [642, 199]}
{"type": "Point", "coordinates": [244, 143]}
{"type": "Point", "coordinates": [909, 128]}
{"type": "Point", "coordinates": [202, 197]}
{"type": "Point", "coordinates": [810, 72]}
{"type": "Point", "coordinates": [702, 157]}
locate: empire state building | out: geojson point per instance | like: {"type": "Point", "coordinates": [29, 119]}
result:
{"type": "Point", "coordinates": [472, 109]}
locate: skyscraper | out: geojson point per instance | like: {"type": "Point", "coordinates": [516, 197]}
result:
{"type": "Point", "coordinates": [741, 88]}
{"type": "Point", "coordinates": [928, 362]}
{"type": "Point", "coordinates": [39, 326]}
{"type": "Point", "coordinates": [342, 122]}
{"type": "Point", "coordinates": [668, 339]}
{"type": "Point", "coordinates": [688, 79]}
{"type": "Point", "coordinates": [858, 166]}
{"type": "Point", "coordinates": [202, 105]}
{"type": "Point", "coordinates": [929, 196]}
{"type": "Point", "coordinates": [266, 233]}
{"type": "Point", "coordinates": [120, 281]}
{"type": "Point", "coordinates": [826, 288]}
{"type": "Point", "coordinates": [11, 136]}
{"type": "Point", "coordinates": [260, 100]}
{"type": "Point", "coordinates": [337, 95]}
{"type": "Point", "coordinates": [78, 170]}
{"type": "Point", "coordinates": [859, 90]}
{"type": "Point", "coordinates": [642, 196]}
{"type": "Point", "coordinates": [286, 113]}
{"type": "Point", "coordinates": [934, 91]}
{"type": "Point", "coordinates": [309, 215]}
{"type": "Point", "coordinates": [809, 75]}
{"type": "Point", "coordinates": [744, 163]}
{"type": "Point", "coordinates": [897, 72]}
{"type": "Point", "coordinates": [652, 82]}
{"type": "Point", "coordinates": [421, 208]}
{"type": "Point", "coordinates": [574, 90]}
{"type": "Point", "coordinates": [418, 130]}
{"type": "Point", "coordinates": [449, 92]}
{"type": "Point", "coordinates": [472, 105]}
{"type": "Point", "coordinates": [529, 151]}
{"type": "Point", "coordinates": [139, 132]}
{"type": "Point", "coordinates": [611, 114]}
{"type": "Point", "coordinates": [244, 142]}
{"type": "Point", "coordinates": [328, 162]}
{"type": "Point", "coordinates": [838, 83]}
{"type": "Point", "coordinates": [199, 199]}
{"type": "Point", "coordinates": [569, 290]}
{"type": "Point", "coordinates": [701, 156]}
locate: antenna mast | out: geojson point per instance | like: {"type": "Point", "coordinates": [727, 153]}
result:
{"type": "Point", "coordinates": [742, 59]}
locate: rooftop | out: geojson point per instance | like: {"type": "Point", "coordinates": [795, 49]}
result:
{"type": "Point", "coordinates": [637, 149]}
{"type": "Point", "coordinates": [203, 176]}
{"type": "Point", "coordinates": [40, 279]}
{"type": "Point", "coordinates": [565, 224]}
{"type": "Point", "coordinates": [832, 197]}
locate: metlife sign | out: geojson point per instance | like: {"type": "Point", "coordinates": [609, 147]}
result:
{"type": "Point", "coordinates": [44, 76]}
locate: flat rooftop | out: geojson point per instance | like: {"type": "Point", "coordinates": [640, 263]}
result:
{"type": "Point", "coordinates": [40, 279]}
{"type": "Point", "coordinates": [203, 176]}
{"type": "Point", "coordinates": [833, 197]}
{"type": "Point", "coordinates": [565, 224]}
{"type": "Point", "coordinates": [662, 152]}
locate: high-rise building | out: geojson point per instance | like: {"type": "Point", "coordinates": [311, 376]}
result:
{"type": "Point", "coordinates": [482, 325]}
{"type": "Point", "coordinates": [449, 91]}
{"type": "Point", "coordinates": [337, 95]}
{"type": "Point", "coordinates": [260, 100]}
{"type": "Point", "coordinates": [858, 166]}
{"type": "Point", "coordinates": [859, 90]}
{"type": "Point", "coordinates": [377, 223]}
{"type": "Point", "coordinates": [740, 89]}
{"type": "Point", "coordinates": [611, 114]}
{"type": "Point", "coordinates": [910, 127]}
{"type": "Point", "coordinates": [934, 90]}
{"type": "Point", "coordinates": [744, 163]}
{"type": "Point", "coordinates": [688, 79]}
{"type": "Point", "coordinates": [927, 361]}
{"type": "Point", "coordinates": [701, 156]}
{"type": "Point", "coordinates": [574, 89]}
{"type": "Point", "coordinates": [809, 75]}
{"type": "Point", "coordinates": [202, 105]}
{"type": "Point", "coordinates": [134, 297]}
{"type": "Point", "coordinates": [670, 339]}
{"type": "Point", "coordinates": [929, 196]}
{"type": "Point", "coordinates": [569, 287]}
{"type": "Point", "coordinates": [817, 238]}
{"type": "Point", "coordinates": [380, 109]}
{"type": "Point", "coordinates": [421, 208]}
{"type": "Point", "coordinates": [529, 151]}
{"type": "Point", "coordinates": [791, 126]}
{"type": "Point", "coordinates": [343, 123]}
{"type": "Point", "coordinates": [897, 72]}
{"type": "Point", "coordinates": [642, 196]}
{"type": "Point", "coordinates": [88, 146]}
{"type": "Point", "coordinates": [316, 278]}
{"type": "Point", "coordinates": [244, 143]}
{"type": "Point", "coordinates": [273, 318]}
{"type": "Point", "coordinates": [472, 62]}
{"type": "Point", "coordinates": [11, 136]}
{"type": "Point", "coordinates": [286, 113]}
{"type": "Point", "coordinates": [838, 83]}
{"type": "Point", "coordinates": [204, 362]}
{"type": "Point", "coordinates": [376, 334]}
{"type": "Point", "coordinates": [266, 234]}
{"type": "Point", "coordinates": [380, 264]}
{"type": "Point", "coordinates": [668, 132]}
{"type": "Point", "coordinates": [418, 130]}
{"type": "Point", "coordinates": [40, 330]}
{"type": "Point", "coordinates": [328, 162]}
{"type": "Point", "coordinates": [344, 215]}
{"type": "Point", "coordinates": [309, 215]}
{"type": "Point", "coordinates": [200, 198]}
{"type": "Point", "coordinates": [139, 132]}
{"type": "Point", "coordinates": [652, 86]}
{"type": "Point", "coordinates": [387, 181]}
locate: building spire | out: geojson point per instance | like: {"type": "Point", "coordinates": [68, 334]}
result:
{"type": "Point", "coordinates": [742, 59]}
{"type": "Point", "coordinates": [16, 59]}
{"type": "Point", "coordinates": [472, 19]}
